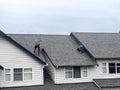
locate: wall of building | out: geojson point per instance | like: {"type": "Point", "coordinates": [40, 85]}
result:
{"type": "Point", "coordinates": [93, 72]}
{"type": "Point", "coordinates": [12, 57]}
{"type": "Point", "coordinates": [60, 77]}
{"type": "Point", "coordinates": [96, 72]}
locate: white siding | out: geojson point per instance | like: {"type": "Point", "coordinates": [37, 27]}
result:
{"type": "Point", "coordinates": [12, 57]}
{"type": "Point", "coordinates": [60, 77]}
{"type": "Point", "coordinates": [94, 72]}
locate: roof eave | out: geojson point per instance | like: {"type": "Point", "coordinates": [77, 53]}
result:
{"type": "Point", "coordinates": [21, 47]}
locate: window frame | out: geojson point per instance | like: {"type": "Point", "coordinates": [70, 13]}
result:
{"type": "Point", "coordinates": [68, 71]}
{"type": "Point", "coordinates": [23, 76]}
{"type": "Point", "coordinates": [85, 70]}
{"type": "Point", "coordinates": [27, 73]}
{"type": "Point", "coordinates": [104, 67]}
{"type": "Point", "coordinates": [116, 67]}
{"type": "Point", "coordinates": [14, 75]}
{"type": "Point", "coordinates": [72, 70]}
{"type": "Point", "coordinates": [7, 74]}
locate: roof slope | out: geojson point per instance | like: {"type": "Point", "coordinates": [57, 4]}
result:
{"type": "Point", "coordinates": [21, 47]}
{"type": "Point", "coordinates": [100, 45]}
{"type": "Point", "coordinates": [61, 48]}
{"type": "Point", "coordinates": [49, 85]}
{"type": "Point", "coordinates": [107, 83]}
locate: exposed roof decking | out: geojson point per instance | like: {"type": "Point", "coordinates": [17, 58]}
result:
{"type": "Point", "coordinates": [62, 49]}
{"type": "Point", "coordinates": [100, 45]}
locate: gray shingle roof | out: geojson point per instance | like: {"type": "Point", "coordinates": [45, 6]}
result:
{"type": "Point", "coordinates": [62, 49]}
{"type": "Point", "coordinates": [107, 83]}
{"type": "Point", "coordinates": [49, 85]}
{"type": "Point", "coordinates": [100, 45]}
{"type": "Point", "coordinates": [2, 34]}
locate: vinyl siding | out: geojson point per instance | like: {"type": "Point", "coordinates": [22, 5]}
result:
{"type": "Point", "coordinates": [60, 77]}
{"type": "Point", "coordinates": [12, 57]}
{"type": "Point", "coordinates": [93, 72]}
{"type": "Point", "coordinates": [96, 71]}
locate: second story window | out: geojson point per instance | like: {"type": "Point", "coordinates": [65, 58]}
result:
{"type": "Point", "coordinates": [104, 68]}
{"type": "Point", "coordinates": [72, 72]}
{"type": "Point", "coordinates": [84, 71]}
{"type": "Point", "coordinates": [114, 68]}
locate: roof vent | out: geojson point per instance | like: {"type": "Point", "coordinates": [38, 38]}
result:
{"type": "Point", "coordinates": [37, 45]}
{"type": "Point", "coordinates": [81, 48]}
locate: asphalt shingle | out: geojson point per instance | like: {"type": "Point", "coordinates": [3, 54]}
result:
{"type": "Point", "coordinates": [62, 49]}
{"type": "Point", "coordinates": [107, 83]}
{"type": "Point", "coordinates": [100, 45]}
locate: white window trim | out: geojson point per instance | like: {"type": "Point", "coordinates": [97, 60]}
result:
{"type": "Point", "coordinates": [104, 67]}
{"type": "Point", "coordinates": [23, 75]}
{"type": "Point", "coordinates": [72, 73]}
{"type": "Point", "coordinates": [65, 72]}
{"type": "Point", "coordinates": [27, 72]}
{"type": "Point", "coordinates": [115, 68]}
{"type": "Point", "coordinates": [7, 73]}
{"type": "Point", "coordinates": [83, 70]}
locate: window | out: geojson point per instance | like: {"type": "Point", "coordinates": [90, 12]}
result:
{"type": "Point", "coordinates": [18, 76]}
{"type": "Point", "coordinates": [28, 74]}
{"type": "Point", "coordinates": [84, 71]}
{"type": "Point", "coordinates": [68, 72]}
{"type": "Point", "coordinates": [72, 72]}
{"type": "Point", "coordinates": [118, 67]}
{"type": "Point", "coordinates": [7, 75]}
{"type": "Point", "coordinates": [77, 72]}
{"type": "Point", "coordinates": [104, 68]}
{"type": "Point", "coordinates": [114, 68]}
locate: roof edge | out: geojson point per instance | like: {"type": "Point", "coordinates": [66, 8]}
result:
{"type": "Point", "coordinates": [21, 47]}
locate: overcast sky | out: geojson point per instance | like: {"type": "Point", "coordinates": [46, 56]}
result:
{"type": "Point", "coordinates": [59, 16]}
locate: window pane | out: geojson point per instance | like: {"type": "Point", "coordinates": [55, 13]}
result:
{"type": "Point", "coordinates": [7, 71]}
{"type": "Point", "coordinates": [68, 75]}
{"type": "Point", "coordinates": [112, 68]}
{"type": "Point", "coordinates": [104, 64]}
{"type": "Point", "coordinates": [27, 76]}
{"type": "Point", "coordinates": [118, 69]}
{"type": "Point", "coordinates": [18, 76]}
{"type": "Point", "coordinates": [112, 64]}
{"type": "Point", "coordinates": [28, 70]}
{"type": "Point", "coordinates": [118, 64]}
{"type": "Point", "coordinates": [7, 77]}
{"type": "Point", "coordinates": [84, 71]}
{"type": "Point", "coordinates": [76, 72]}
{"type": "Point", "coordinates": [68, 72]}
{"type": "Point", "coordinates": [68, 68]}
{"type": "Point", "coordinates": [104, 68]}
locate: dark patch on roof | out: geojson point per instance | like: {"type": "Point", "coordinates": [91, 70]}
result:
{"type": "Point", "coordinates": [21, 47]}
{"type": "Point", "coordinates": [62, 49]}
{"type": "Point", "coordinates": [100, 45]}
{"type": "Point", "coordinates": [49, 85]}
{"type": "Point", "coordinates": [107, 83]}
